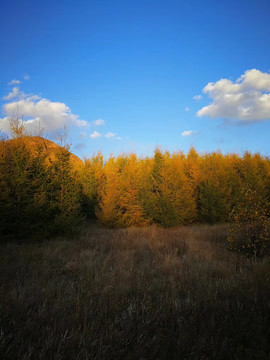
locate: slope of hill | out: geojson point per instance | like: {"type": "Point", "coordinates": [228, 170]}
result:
{"type": "Point", "coordinates": [50, 148]}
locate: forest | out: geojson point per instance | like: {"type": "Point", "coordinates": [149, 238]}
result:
{"type": "Point", "coordinates": [46, 190]}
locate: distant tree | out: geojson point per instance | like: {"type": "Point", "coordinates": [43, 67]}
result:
{"type": "Point", "coordinates": [211, 203]}
{"type": "Point", "coordinates": [178, 191]}
{"type": "Point", "coordinates": [156, 207]}
{"type": "Point", "coordinates": [108, 211]}
{"type": "Point", "coordinates": [168, 197]}
{"type": "Point", "coordinates": [65, 193]}
{"type": "Point", "coordinates": [193, 172]}
{"type": "Point", "coordinates": [129, 202]}
{"type": "Point", "coordinates": [120, 203]}
{"type": "Point", "coordinates": [17, 127]}
{"type": "Point", "coordinates": [24, 209]}
{"type": "Point", "coordinates": [89, 188]}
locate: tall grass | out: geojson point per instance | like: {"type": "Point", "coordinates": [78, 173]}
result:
{"type": "Point", "coordinates": [146, 293]}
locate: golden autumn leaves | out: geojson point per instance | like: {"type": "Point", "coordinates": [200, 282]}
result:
{"type": "Point", "coordinates": [169, 189]}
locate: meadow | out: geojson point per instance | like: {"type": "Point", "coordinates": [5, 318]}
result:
{"type": "Point", "coordinates": [135, 180]}
{"type": "Point", "coordinates": [134, 293]}
{"type": "Point", "coordinates": [162, 257]}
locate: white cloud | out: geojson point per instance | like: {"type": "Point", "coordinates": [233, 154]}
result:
{"type": "Point", "coordinates": [246, 100]}
{"type": "Point", "coordinates": [95, 135]}
{"type": "Point", "coordinates": [110, 135]}
{"type": "Point", "coordinates": [26, 77]}
{"type": "Point", "coordinates": [37, 112]}
{"type": "Point", "coordinates": [14, 82]}
{"type": "Point", "coordinates": [119, 138]}
{"type": "Point", "coordinates": [189, 132]}
{"type": "Point", "coordinates": [98, 122]}
{"type": "Point", "coordinates": [197, 97]}
{"type": "Point", "coordinates": [13, 94]}
{"type": "Point", "coordinates": [187, 109]}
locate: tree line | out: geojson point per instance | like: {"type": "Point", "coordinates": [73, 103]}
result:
{"type": "Point", "coordinates": [169, 189]}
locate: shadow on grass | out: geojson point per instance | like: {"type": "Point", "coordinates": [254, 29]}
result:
{"type": "Point", "coordinates": [146, 293]}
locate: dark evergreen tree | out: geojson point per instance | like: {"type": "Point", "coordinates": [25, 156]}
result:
{"type": "Point", "coordinates": [212, 205]}
{"type": "Point", "coordinates": [65, 193]}
{"type": "Point", "coordinates": [24, 210]}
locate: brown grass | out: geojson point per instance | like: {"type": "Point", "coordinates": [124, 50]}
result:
{"type": "Point", "coordinates": [144, 293]}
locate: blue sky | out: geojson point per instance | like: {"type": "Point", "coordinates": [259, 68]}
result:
{"type": "Point", "coordinates": [137, 65]}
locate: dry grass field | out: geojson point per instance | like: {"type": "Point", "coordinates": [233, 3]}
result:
{"type": "Point", "coordinates": [146, 293]}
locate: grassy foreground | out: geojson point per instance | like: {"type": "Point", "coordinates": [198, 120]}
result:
{"type": "Point", "coordinates": [133, 293]}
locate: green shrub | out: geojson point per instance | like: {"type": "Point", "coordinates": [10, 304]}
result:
{"type": "Point", "coordinates": [250, 227]}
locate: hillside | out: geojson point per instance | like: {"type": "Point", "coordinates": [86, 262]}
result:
{"type": "Point", "coordinates": [50, 148]}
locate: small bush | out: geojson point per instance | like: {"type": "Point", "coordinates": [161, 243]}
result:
{"type": "Point", "coordinates": [250, 227]}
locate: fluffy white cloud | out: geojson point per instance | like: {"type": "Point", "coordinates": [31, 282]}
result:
{"type": "Point", "coordinates": [110, 135]}
{"type": "Point", "coordinates": [26, 77]}
{"type": "Point", "coordinates": [14, 93]}
{"type": "Point", "coordinates": [246, 100]}
{"type": "Point", "coordinates": [197, 97]}
{"type": "Point", "coordinates": [14, 82]}
{"type": "Point", "coordinates": [187, 109]}
{"type": "Point", "coordinates": [189, 132]}
{"type": "Point", "coordinates": [37, 111]}
{"type": "Point", "coordinates": [95, 135]}
{"type": "Point", "coordinates": [98, 122]}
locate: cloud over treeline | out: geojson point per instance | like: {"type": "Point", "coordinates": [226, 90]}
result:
{"type": "Point", "coordinates": [245, 100]}
{"type": "Point", "coordinates": [189, 132]}
{"type": "Point", "coordinates": [37, 112]}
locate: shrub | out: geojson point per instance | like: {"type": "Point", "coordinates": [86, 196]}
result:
{"type": "Point", "coordinates": [250, 228]}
